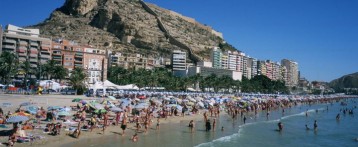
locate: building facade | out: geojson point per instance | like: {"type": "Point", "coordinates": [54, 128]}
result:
{"type": "Point", "coordinates": [292, 72]}
{"type": "Point", "coordinates": [28, 46]}
{"type": "Point", "coordinates": [179, 65]}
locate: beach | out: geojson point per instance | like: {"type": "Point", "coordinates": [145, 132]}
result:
{"type": "Point", "coordinates": [174, 131]}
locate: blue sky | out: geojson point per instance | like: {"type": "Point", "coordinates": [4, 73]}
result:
{"type": "Point", "coordinates": [321, 35]}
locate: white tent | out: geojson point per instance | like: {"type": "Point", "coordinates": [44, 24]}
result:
{"type": "Point", "coordinates": [48, 84]}
{"type": "Point", "coordinates": [107, 84]}
{"type": "Point", "coordinates": [128, 87]}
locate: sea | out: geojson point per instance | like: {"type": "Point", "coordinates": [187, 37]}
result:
{"type": "Point", "coordinates": [258, 131]}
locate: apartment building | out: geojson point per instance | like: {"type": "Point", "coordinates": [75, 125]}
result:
{"type": "Point", "coordinates": [179, 63]}
{"type": "Point", "coordinates": [216, 56]}
{"type": "Point", "coordinates": [292, 72]}
{"type": "Point", "coordinates": [71, 55]}
{"type": "Point", "coordinates": [27, 45]}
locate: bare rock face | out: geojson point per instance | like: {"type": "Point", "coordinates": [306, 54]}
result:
{"type": "Point", "coordinates": [127, 26]}
{"type": "Point", "coordinates": [80, 7]}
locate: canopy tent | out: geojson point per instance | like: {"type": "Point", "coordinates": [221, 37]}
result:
{"type": "Point", "coordinates": [109, 85]}
{"type": "Point", "coordinates": [48, 84]}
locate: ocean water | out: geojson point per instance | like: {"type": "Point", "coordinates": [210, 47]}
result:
{"type": "Point", "coordinates": [258, 130]}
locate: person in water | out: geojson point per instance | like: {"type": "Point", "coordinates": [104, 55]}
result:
{"type": "Point", "coordinates": [208, 125]}
{"type": "Point", "coordinates": [315, 125]}
{"type": "Point", "coordinates": [280, 126]}
{"type": "Point", "coordinates": [307, 128]}
{"type": "Point", "coordinates": [135, 137]}
{"type": "Point", "coordinates": [338, 116]}
{"type": "Point", "coordinates": [244, 119]}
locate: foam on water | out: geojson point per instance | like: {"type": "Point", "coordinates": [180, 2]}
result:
{"type": "Point", "coordinates": [241, 128]}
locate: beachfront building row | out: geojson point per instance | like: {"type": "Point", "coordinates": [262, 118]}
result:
{"type": "Point", "coordinates": [286, 71]}
{"type": "Point", "coordinates": [134, 61]}
{"type": "Point", "coordinates": [181, 68]}
{"type": "Point", "coordinates": [29, 47]}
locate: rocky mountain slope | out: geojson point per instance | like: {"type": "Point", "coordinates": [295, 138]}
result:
{"type": "Point", "coordinates": [130, 26]}
{"type": "Point", "coordinates": [347, 81]}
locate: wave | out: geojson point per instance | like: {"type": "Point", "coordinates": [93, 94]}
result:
{"type": "Point", "coordinates": [241, 127]}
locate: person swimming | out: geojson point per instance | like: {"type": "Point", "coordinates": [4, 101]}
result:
{"type": "Point", "coordinates": [338, 116]}
{"type": "Point", "coordinates": [307, 128]}
{"type": "Point", "coordinates": [280, 126]}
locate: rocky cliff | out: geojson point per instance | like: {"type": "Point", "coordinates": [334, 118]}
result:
{"type": "Point", "coordinates": [346, 81]}
{"type": "Point", "coordinates": [130, 26]}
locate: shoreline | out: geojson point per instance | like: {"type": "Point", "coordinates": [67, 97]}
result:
{"type": "Point", "coordinates": [64, 140]}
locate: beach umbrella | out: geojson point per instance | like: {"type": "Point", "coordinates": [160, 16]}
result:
{"type": "Point", "coordinates": [25, 104]}
{"type": "Point", "coordinates": [83, 102]}
{"type": "Point", "coordinates": [31, 109]}
{"type": "Point", "coordinates": [15, 119]}
{"type": "Point", "coordinates": [6, 105]}
{"type": "Point", "coordinates": [76, 100]}
{"type": "Point", "coordinates": [141, 97]}
{"type": "Point", "coordinates": [116, 109]}
{"type": "Point", "coordinates": [141, 106]}
{"type": "Point", "coordinates": [98, 106]}
{"type": "Point", "coordinates": [98, 111]}
{"type": "Point", "coordinates": [112, 97]}
{"type": "Point", "coordinates": [54, 108]}
{"type": "Point", "coordinates": [171, 105]}
{"type": "Point", "coordinates": [201, 104]}
{"type": "Point", "coordinates": [63, 113]}
{"type": "Point", "coordinates": [21, 114]}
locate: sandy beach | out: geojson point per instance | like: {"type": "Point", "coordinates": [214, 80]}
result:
{"type": "Point", "coordinates": [66, 100]}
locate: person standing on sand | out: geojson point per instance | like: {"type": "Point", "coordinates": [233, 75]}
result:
{"type": "Point", "coordinates": [124, 124]}
{"type": "Point", "coordinates": [105, 121]}
{"type": "Point", "coordinates": [158, 123]}
{"type": "Point", "coordinates": [244, 119]}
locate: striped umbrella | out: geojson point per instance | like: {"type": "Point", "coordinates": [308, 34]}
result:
{"type": "Point", "coordinates": [21, 114]}
{"type": "Point", "coordinates": [15, 119]}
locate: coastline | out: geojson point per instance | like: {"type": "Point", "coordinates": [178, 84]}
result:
{"type": "Point", "coordinates": [64, 140]}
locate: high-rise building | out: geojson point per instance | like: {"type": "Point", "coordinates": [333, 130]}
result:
{"type": "Point", "coordinates": [232, 60]}
{"type": "Point", "coordinates": [292, 72]}
{"type": "Point", "coordinates": [216, 56]}
{"type": "Point", "coordinates": [179, 63]}
{"type": "Point", "coordinates": [253, 67]}
{"type": "Point", "coordinates": [27, 46]}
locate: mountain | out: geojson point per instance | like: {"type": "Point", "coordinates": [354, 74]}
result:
{"type": "Point", "coordinates": [347, 81]}
{"type": "Point", "coordinates": [131, 26]}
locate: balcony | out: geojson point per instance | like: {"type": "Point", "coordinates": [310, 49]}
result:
{"type": "Point", "coordinates": [56, 53]}
{"type": "Point", "coordinates": [24, 43]}
{"type": "Point", "coordinates": [9, 46]}
{"type": "Point", "coordinates": [22, 59]}
{"type": "Point", "coordinates": [34, 43]}
{"type": "Point", "coordinates": [78, 61]}
{"type": "Point", "coordinates": [45, 48]}
{"type": "Point", "coordinates": [19, 50]}
{"type": "Point", "coordinates": [57, 58]}
{"type": "Point", "coordinates": [34, 55]}
{"type": "Point", "coordinates": [33, 60]}
{"type": "Point", "coordinates": [45, 56]}
{"type": "Point", "coordinates": [33, 65]}
{"type": "Point", "coordinates": [22, 55]}
{"type": "Point", "coordinates": [43, 61]}
{"type": "Point", "coordinates": [79, 54]}
{"type": "Point", "coordinates": [10, 41]}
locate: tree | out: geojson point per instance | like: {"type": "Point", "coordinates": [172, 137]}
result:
{"type": "Point", "coordinates": [77, 80]}
{"type": "Point", "coordinates": [48, 69]}
{"type": "Point", "coordinates": [28, 71]}
{"type": "Point", "coordinates": [8, 66]}
{"type": "Point", "coordinates": [60, 72]}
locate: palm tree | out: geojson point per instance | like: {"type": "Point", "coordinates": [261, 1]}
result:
{"type": "Point", "coordinates": [28, 71]}
{"type": "Point", "coordinates": [49, 69]}
{"type": "Point", "coordinates": [60, 72]}
{"type": "Point", "coordinates": [77, 80]}
{"type": "Point", "coordinates": [8, 66]}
